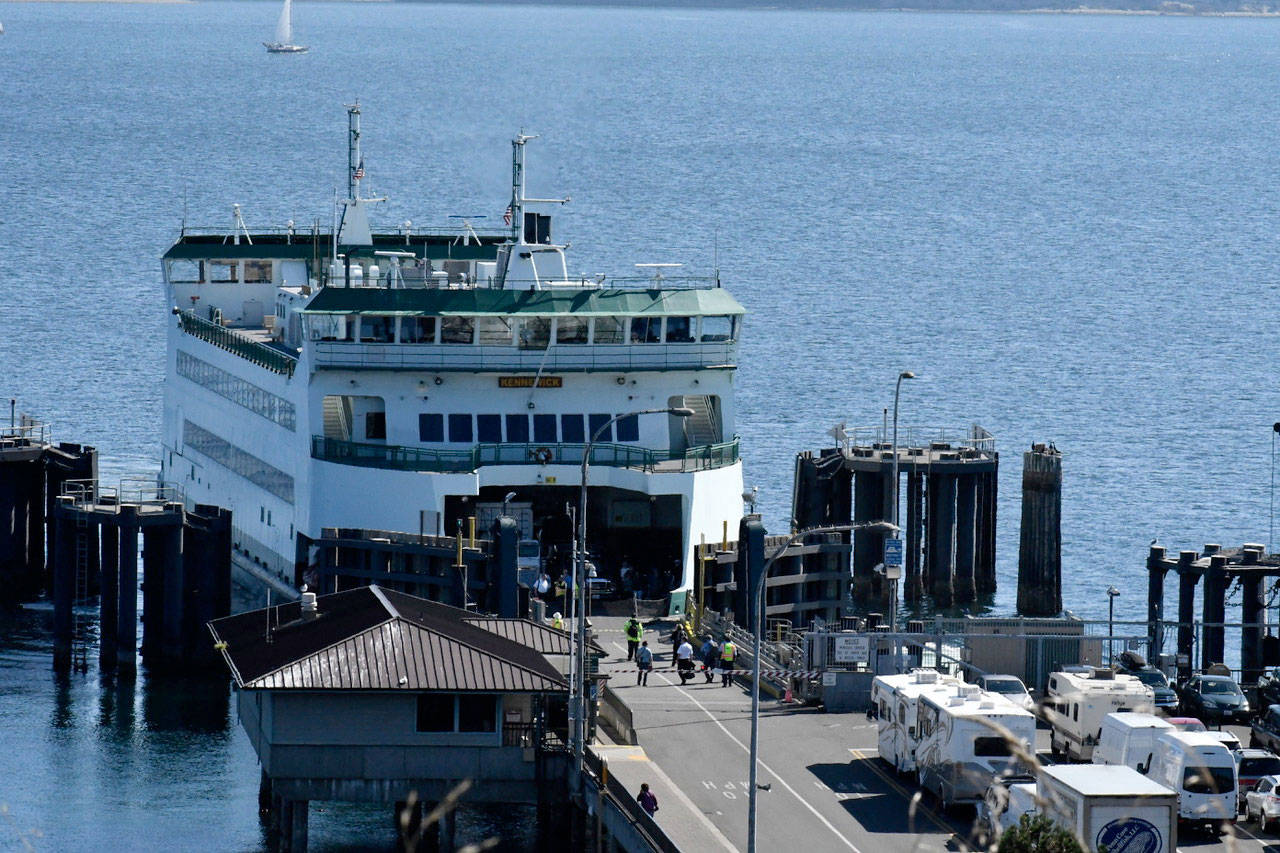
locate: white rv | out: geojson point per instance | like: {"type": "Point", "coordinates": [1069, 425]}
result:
{"type": "Point", "coordinates": [1129, 740]}
{"type": "Point", "coordinates": [896, 699]}
{"type": "Point", "coordinates": [1203, 773]}
{"type": "Point", "coordinates": [1076, 703]}
{"type": "Point", "coordinates": [965, 742]}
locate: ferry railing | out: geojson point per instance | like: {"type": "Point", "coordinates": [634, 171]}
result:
{"type": "Point", "coordinates": [399, 457]}
{"type": "Point", "coordinates": [234, 342]}
{"type": "Point", "coordinates": [25, 430]}
{"type": "Point", "coordinates": [552, 358]}
{"type": "Point", "coordinates": [974, 437]}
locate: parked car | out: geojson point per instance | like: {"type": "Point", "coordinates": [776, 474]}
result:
{"type": "Point", "coordinates": [1228, 738]}
{"type": "Point", "coordinates": [1262, 801]}
{"type": "Point", "coordinates": [1251, 766]}
{"type": "Point", "coordinates": [1004, 803]}
{"type": "Point", "coordinates": [1265, 731]}
{"type": "Point", "coordinates": [1214, 699]}
{"type": "Point", "coordinates": [1134, 664]}
{"type": "Point", "coordinates": [1010, 687]}
{"type": "Point", "coordinates": [1187, 724]}
{"type": "Point", "coordinates": [1269, 687]}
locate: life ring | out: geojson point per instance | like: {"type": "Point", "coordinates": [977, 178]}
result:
{"type": "Point", "coordinates": [542, 455]}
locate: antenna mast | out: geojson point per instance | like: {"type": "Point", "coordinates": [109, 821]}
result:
{"type": "Point", "coordinates": [355, 166]}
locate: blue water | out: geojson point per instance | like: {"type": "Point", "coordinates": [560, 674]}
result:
{"type": "Point", "coordinates": [1064, 224]}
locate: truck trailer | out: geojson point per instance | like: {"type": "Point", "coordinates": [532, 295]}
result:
{"type": "Point", "coordinates": [1110, 807]}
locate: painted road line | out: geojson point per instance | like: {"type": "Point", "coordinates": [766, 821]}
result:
{"type": "Point", "coordinates": [893, 783]}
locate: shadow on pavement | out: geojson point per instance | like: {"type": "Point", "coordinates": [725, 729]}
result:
{"type": "Point", "coordinates": [876, 804]}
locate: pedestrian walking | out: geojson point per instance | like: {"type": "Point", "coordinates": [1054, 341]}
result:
{"type": "Point", "coordinates": [727, 652]}
{"type": "Point", "coordinates": [710, 654]}
{"type": "Point", "coordinates": [684, 661]}
{"type": "Point", "coordinates": [677, 636]}
{"type": "Point", "coordinates": [634, 630]}
{"type": "Point", "coordinates": [647, 800]}
{"type": "Point", "coordinates": [644, 663]}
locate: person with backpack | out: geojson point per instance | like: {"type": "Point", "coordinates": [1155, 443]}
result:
{"type": "Point", "coordinates": [647, 799]}
{"type": "Point", "coordinates": [634, 630]}
{"type": "Point", "coordinates": [710, 654]}
{"type": "Point", "coordinates": [644, 663]}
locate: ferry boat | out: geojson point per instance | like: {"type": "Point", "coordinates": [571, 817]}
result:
{"type": "Point", "coordinates": [411, 379]}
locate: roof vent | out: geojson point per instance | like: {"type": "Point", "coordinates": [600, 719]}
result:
{"type": "Point", "coordinates": [1104, 673]}
{"type": "Point", "coordinates": [926, 677]}
{"type": "Point", "coordinates": [956, 700]}
{"type": "Point", "coordinates": [309, 609]}
{"type": "Point", "coordinates": [987, 704]}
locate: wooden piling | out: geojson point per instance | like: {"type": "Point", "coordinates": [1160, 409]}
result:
{"type": "Point", "coordinates": [1188, 578]}
{"type": "Point", "coordinates": [913, 579]}
{"type": "Point", "coordinates": [1156, 569]}
{"type": "Point", "coordinates": [940, 532]}
{"type": "Point", "coordinates": [985, 565]}
{"type": "Point", "coordinates": [1213, 645]}
{"type": "Point", "coordinates": [109, 599]}
{"type": "Point", "coordinates": [1040, 545]}
{"type": "Point", "coordinates": [966, 538]}
{"type": "Point", "coordinates": [127, 611]}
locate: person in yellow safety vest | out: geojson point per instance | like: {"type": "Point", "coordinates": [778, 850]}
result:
{"type": "Point", "coordinates": [556, 621]}
{"type": "Point", "coordinates": [634, 630]}
{"type": "Point", "coordinates": [727, 651]}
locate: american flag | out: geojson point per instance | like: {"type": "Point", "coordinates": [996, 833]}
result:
{"type": "Point", "coordinates": [359, 175]}
{"type": "Point", "coordinates": [506, 217]}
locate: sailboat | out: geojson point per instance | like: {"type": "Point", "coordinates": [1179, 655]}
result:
{"type": "Point", "coordinates": [284, 33]}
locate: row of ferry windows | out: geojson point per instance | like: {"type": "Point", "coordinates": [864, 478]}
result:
{"type": "Point", "coordinates": [526, 332]}
{"type": "Point", "coordinates": [546, 429]}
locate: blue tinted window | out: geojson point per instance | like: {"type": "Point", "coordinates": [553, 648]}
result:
{"type": "Point", "coordinates": [544, 429]}
{"type": "Point", "coordinates": [489, 429]}
{"type": "Point", "coordinates": [594, 422]}
{"type": "Point", "coordinates": [628, 428]}
{"type": "Point", "coordinates": [518, 428]}
{"type": "Point", "coordinates": [460, 429]}
{"type": "Point", "coordinates": [430, 427]}
{"type": "Point", "coordinates": [571, 429]}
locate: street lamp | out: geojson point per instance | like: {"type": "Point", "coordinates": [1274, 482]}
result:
{"type": "Point", "coordinates": [578, 668]}
{"type": "Point", "coordinates": [758, 631]}
{"type": "Point", "coordinates": [893, 583]}
{"type": "Point", "coordinates": [1112, 592]}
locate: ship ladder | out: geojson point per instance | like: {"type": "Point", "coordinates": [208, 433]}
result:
{"type": "Point", "coordinates": [80, 630]}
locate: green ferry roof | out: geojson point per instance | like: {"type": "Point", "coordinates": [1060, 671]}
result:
{"type": "Point", "coordinates": [478, 301]}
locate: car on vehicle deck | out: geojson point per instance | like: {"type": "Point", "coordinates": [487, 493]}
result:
{"type": "Point", "coordinates": [1132, 663]}
{"type": "Point", "coordinates": [1263, 801]}
{"type": "Point", "coordinates": [1264, 733]}
{"type": "Point", "coordinates": [1008, 687]}
{"type": "Point", "coordinates": [1187, 724]}
{"type": "Point", "coordinates": [1214, 699]}
{"type": "Point", "coordinates": [1251, 766]}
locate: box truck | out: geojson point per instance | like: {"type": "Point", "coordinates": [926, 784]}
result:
{"type": "Point", "coordinates": [1111, 807]}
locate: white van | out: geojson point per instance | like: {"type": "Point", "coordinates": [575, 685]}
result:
{"type": "Point", "coordinates": [1203, 773]}
{"type": "Point", "coordinates": [895, 699]}
{"type": "Point", "coordinates": [1076, 703]}
{"type": "Point", "coordinates": [1129, 740]}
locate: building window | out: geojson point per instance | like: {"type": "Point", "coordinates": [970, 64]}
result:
{"type": "Point", "coordinates": [646, 330]}
{"type": "Point", "coordinates": [517, 429]}
{"type": "Point", "coordinates": [375, 425]}
{"type": "Point", "coordinates": [489, 429]}
{"type": "Point", "coordinates": [460, 429]}
{"type": "Point", "coordinates": [594, 422]}
{"type": "Point", "coordinates": [571, 330]}
{"type": "Point", "coordinates": [257, 272]}
{"type": "Point", "coordinates": [628, 428]}
{"type": "Point", "coordinates": [478, 713]}
{"type": "Point", "coordinates": [608, 330]}
{"type": "Point", "coordinates": [679, 330]}
{"type": "Point", "coordinates": [435, 712]}
{"type": "Point", "coordinates": [430, 427]}
{"type": "Point", "coordinates": [494, 332]}
{"type": "Point", "coordinates": [571, 429]}
{"type": "Point", "coordinates": [544, 429]}
{"type": "Point", "coordinates": [457, 330]}
{"type": "Point", "coordinates": [418, 330]}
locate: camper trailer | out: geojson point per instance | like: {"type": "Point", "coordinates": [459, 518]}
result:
{"type": "Point", "coordinates": [1129, 740]}
{"type": "Point", "coordinates": [896, 699]}
{"type": "Point", "coordinates": [1076, 703]}
{"type": "Point", "coordinates": [965, 741]}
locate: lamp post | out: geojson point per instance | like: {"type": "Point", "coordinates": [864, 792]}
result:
{"type": "Point", "coordinates": [578, 668]}
{"type": "Point", "coordinates": [893, 583]}
{"type": "Point", "coordinates": [757, 595]}
{"type": "Point", "coordinates": [1112, 592]}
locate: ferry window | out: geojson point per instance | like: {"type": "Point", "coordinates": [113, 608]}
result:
{"type": "Point", "coordinates": [628, 428]}
{"type": "Point", "coordinates": [594, 422]}
{"type": "Point", "coordinates": [375, 425]}
{"type": "Point", "coordinates": [717, 328]}
{"type": "Point", "coordinates": [608, 330]}
{"type": "Point", "coordinates": [544, 429]}
{"type": "Point", "coordinates": [430, 427]}
{"type": "Point", "coordinates": [679, 330]}
{"type": "Point", "coordinates": [571, 429]}
{"type": "Point", "coordinates": [535, 332]}
{"type": "Point", "coordinates": [460, 429]}
{"type": "Point", "coordinates": [185, 272]}
{"type": "Point", "coordinates": [221, 271]}
{"type": "Point", "coordinates": [646, 330]}
{"type": "Point", "coordinates": [418, 330]}
{"type": "Point", "coordinates": [376, 330]}
{"type": "Point", "coordinates": [990, 747]}
{"type": "Point", "coordinates": [257, 272]}
{"type": "Point", "coordinates": [494, 331]}
{"type": "Point", "coordinates": [489, 429]}
{"type": "Point", "coordinates": [349, 327]}
{"type": "Point", "coordinates": [435, 712]}
{"type": "Point", "coordinates": [517, 429]}
{"type": "Point", "coordinates": [571, 330]}
{"type": "Point", "coordinates": [478, 713]}
{"type": "Point", "coordinates": [457, 330]}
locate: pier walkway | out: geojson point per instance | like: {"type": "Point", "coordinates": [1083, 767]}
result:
{"type": "Point", "coordinates": [827, 788]}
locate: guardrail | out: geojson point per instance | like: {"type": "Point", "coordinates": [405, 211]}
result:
{"type": "Point", "coordinates": [617, 717]}
{"type": "Point", "coordinates": [401, 458]}
{"type": "Point", "coordinates": [572, 358]}
{"type": "Point", "coordinates": [625, 802]}
{"type": "Point", "coordinates": [233, 342]}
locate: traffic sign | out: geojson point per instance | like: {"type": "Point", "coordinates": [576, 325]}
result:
{"type": "Point", "coordinates": [892, 552]}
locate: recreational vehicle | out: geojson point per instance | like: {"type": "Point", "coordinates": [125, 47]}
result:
{"type": "Point", "coordinates": [966, 739]}
{"type": "Point", "coordinates": [896, 699]}
{"type": "Point", "coordinates": [1076, 703]}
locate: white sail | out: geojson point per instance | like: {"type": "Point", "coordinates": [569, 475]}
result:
{"type": "Point", "coordinates": [284, 26]}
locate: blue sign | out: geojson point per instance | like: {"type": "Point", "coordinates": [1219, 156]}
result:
{"type": "Point", "coordinates": [1129, 835]}
{"type": "Point", "coordinates": [892, 552]}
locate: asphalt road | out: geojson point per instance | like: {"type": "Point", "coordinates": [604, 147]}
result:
{"type": "Point", "coordinates": [828, 790]}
